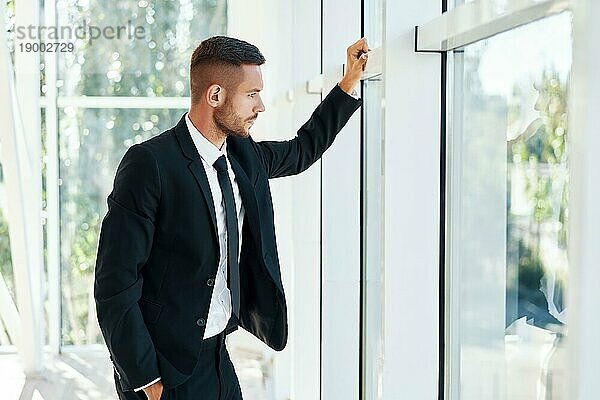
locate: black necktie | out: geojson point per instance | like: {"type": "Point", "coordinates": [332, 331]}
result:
{"type": "Point", "coordinates": [233, 274]}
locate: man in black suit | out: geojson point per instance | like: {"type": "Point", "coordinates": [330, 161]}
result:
{"type": "Point", "coordinates": [187, 250]}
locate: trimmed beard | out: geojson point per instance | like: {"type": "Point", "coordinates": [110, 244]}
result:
{"type": "Point", "coordinates": [228, 121]}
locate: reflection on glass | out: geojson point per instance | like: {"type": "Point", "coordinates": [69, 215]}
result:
{"type": "Point", "coordinates": [92, 142]}
{"type": "Point", "coordinates": [508, 215]}
{"type": "Point", "coordinates": [150, 57]}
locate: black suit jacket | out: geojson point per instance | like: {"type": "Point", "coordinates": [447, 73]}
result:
{"type": "Point", "coordinates": [158, 246]}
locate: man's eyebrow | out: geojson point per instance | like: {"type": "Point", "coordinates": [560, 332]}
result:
{"type": "Point", "coordinates": [253, 90]}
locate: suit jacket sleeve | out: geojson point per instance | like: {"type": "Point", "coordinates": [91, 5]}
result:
{"type": "Point", "coordinates": [124, 246]}
{"type": "Point", "coordinates": [290, 157]}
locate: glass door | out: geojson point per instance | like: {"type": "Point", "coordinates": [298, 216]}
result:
{"type": "Point", "coordinates": [507, 214]}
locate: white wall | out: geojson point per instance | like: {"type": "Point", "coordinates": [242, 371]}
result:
{"type": "Point", "coordinates": [412, 131]}
{"type": "Point", "coordinates": [306, 211]}
{"type": "Point", "coordinates": [341, 218]}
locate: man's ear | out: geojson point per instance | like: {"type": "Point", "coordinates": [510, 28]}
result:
{"type": "Point", "coordinates": [215, 95]}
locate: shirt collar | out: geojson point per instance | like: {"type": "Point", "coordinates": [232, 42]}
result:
{"type": "Point", "coordinates": [208, 151]}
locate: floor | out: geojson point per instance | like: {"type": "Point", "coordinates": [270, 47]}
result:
{"type": "Point", "coordinates": [85, 373]}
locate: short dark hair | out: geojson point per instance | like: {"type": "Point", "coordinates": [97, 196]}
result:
{"type": "Point", "coordinates": [218, 59]}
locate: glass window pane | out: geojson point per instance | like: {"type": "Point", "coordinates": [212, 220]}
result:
{"type": "Point", "coordinates": [507, 267]}
{"type": "Point", "coordinates": [91, 144]}
{"type": "Point", "coordinates": [9, 27]}
{"type": "Point", "coordinates": [149, 57]}
{"type": "Point", "coordinates": [6, 269]}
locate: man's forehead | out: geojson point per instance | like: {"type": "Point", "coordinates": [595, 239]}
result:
{"type": "Point", "coordinates": [252, 76]}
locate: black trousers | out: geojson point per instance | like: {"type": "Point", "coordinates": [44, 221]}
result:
{"type": "Point", "coordinates": [213, 378]}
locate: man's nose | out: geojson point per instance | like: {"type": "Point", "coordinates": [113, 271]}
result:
{"type": "Point", "coordinates": [260, 107]}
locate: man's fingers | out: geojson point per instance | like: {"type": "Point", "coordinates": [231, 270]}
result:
{"type": "Point", "coordinates": [359, 49]}
{"type": "Point", "coordinates": [357, 46]}
{"type": "Point", "coordinates": [362, 60]}
{"type": "Point", "coordinates": [358, 43]}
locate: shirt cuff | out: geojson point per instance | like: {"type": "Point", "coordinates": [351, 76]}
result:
{"type": "Point", "coordinates": [145, 386]}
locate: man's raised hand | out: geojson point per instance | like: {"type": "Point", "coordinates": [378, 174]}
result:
{"type": "Point", "coordinates": [356, 59]}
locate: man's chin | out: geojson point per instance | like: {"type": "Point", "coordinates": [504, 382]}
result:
{"type": "Point", "coordinates": [242, 135]}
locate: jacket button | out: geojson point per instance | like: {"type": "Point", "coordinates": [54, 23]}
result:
{"type": "Point", "coordinates": [201, 322]}
{"type": "Point", "coordinates": [210, 282]}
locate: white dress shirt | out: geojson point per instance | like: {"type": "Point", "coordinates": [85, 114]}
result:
{"type": "Point", "coordinates": [220, 304]}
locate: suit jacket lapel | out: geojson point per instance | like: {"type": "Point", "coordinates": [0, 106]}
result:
{"type": "Point", "coordinates": [197, 169]}
{"type": "Point", "coordinates": [247, 194]}
{"type": "Point", "coordinates": [200, 174]}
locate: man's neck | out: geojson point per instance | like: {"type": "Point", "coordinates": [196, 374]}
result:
{"type": "Point", "coordinates": [208, 129]}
